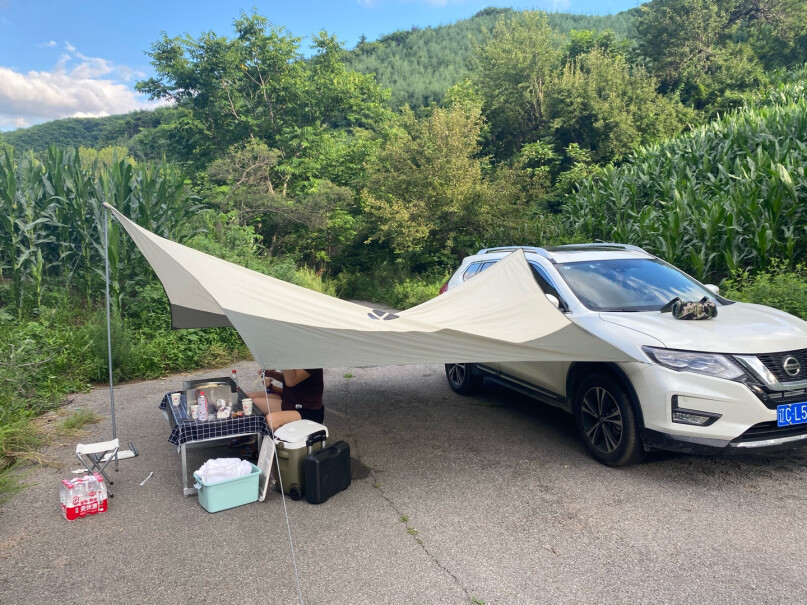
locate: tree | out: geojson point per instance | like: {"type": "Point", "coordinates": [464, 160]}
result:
{"type": "Point", "coordinates": [700, 46]}
{"type": "Point", "coordinates": [584, 41]}
{"type": "Point", "coordinates": [512, 69]}
{"type": "Point", "coordinates": [104, 158]}
{"type": "Point", "coordinates": [282, 134]}
{"type": "Point", "coordinates": [426, 192]}
{"type": "Point", "coordinates": [601, 104]}
{"type": "Point", "coordinates": [257, 86]}
{"type": "Point", "coordinates": [313, 224]}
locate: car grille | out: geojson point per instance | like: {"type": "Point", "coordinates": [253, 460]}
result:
{"type": "Point", "coordinates": [772, 399]}
{"type": "Point", "coordinates": [774, 361]}
{"type": "Point", "coordinates": [769, 430]}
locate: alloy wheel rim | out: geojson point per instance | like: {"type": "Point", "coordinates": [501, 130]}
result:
{"type": "Point", "coordinates": [602, 420]}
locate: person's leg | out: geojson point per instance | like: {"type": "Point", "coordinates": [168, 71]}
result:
{"type": "Point", "coordinates": [264, 403]}
{"type": "Point", "coordinates": [275, 415]}
{"type": "Point", "coordinates": [277, 419]}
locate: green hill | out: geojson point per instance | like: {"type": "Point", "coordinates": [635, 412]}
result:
{"type": "Point", "coordinates": [87, 132]}
{"type": "Point", "coordinates": [420, 64]}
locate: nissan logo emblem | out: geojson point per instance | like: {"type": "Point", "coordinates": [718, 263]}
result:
{"type": "Point", "coordinates": [791, 366]}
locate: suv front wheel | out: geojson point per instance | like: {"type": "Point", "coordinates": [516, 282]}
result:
{"type": "Point", "coordinates": [462, 379]}
{"type": "Point", "coordinates": [607, 422]}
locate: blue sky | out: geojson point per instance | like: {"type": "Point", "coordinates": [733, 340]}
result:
{"type": "Point", "coordinates": [65, 58]}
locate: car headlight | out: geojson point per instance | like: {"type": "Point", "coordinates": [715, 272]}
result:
{"type": "Point", "coordinates": [710, 364]}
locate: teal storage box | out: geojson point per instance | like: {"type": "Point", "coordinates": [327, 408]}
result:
{"type": "Point", "coordinates": [229, 493]}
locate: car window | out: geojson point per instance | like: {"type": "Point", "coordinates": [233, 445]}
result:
{"type": "Point", "coordinates": [546, 284]}
{"type": "Point", "coordinates": [472, 270]}
{"type": "Point", "coordinates": [475, 268]}
{"type": "Point", "coordinates": [537, 272]}
{"type": "Point", "coordinates": [629, 284]}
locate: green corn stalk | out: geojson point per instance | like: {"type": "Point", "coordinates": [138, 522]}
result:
{"type": "Point", "coordinates": [24, 232]}
{"type": "Point", "coordinates": [723, 196]}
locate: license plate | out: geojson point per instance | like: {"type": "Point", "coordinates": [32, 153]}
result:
{"type": "Point", "coordinates": [791, 413]}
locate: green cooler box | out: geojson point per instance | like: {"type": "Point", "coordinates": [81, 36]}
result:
{"type": "Point", "coordinates": [291, 447]}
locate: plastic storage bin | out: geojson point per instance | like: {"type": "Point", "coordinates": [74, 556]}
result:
{"type": "Point", "coordinates": [229, 493]}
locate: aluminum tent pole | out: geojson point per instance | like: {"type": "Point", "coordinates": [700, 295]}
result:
{"type": "Point", "coordinates": [109, 328]}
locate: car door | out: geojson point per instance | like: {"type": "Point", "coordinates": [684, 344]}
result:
{"type": "Point", "coordinates": [546, 377]}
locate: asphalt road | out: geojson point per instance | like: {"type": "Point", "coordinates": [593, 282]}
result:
{"type": "Point", "coordinates": [490, 499]}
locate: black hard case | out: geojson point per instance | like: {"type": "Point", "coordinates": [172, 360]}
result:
{"type": "Point", "coordinates": [327, 472]}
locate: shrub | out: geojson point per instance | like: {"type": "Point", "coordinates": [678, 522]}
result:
{"type": "Point", "coordinates": [121, 342]}
{"type": "Point", "coordinates": [782, 288]}
{"type": "Point", "coordinates": [392, 285]}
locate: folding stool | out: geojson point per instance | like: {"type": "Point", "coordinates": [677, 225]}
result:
{"type": "Point", "coordinates": [96, 456]}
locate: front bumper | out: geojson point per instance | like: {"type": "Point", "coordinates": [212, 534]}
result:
{"type": "Point", "coordinates": [745, 424]}
{"type": "Point", "coordinates": [742, 445]}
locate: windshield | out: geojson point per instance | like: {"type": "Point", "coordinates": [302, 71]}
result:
{"type": "Point", "coordinates": [629, 284]}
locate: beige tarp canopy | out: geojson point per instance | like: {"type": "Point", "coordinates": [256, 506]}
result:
{"type": "Point", "coordinates": [499, 315]}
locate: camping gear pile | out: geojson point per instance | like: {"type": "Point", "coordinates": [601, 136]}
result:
{"type": "Point", "coordinates": [307, 467]}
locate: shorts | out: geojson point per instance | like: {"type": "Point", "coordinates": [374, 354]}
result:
{"type": "Point", "coordinates": [317, 415]}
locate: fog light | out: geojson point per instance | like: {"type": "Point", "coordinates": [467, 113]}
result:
{"type": "Point", "coordinates": [691, 417]}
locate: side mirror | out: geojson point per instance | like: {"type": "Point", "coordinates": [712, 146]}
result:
{"type": "Point", "coordinates": [553, 299]}
{"type": "Point", "coordinates": [712, 288]}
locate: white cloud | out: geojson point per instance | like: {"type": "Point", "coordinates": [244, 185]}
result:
{"type": "Point", "coordinates": [77, 86]}
{"type": "Point", "coordinates": [91, 67]}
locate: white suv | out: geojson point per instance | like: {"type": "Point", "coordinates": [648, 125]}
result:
{"type": "Point", "coordinates": [735, 382]}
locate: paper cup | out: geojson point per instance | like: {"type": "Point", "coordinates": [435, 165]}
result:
{"type": "Point", "coordinates": [176, 398]}
{"type": "Point", "coordinates": [247, 404]}
{"type": "Point", "coordinates": [195, 412]}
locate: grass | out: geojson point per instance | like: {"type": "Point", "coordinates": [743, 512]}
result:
{"type": "Point", "coordinates": [18, 444]}
{"type": "Point", "coordinates": [77, 420]}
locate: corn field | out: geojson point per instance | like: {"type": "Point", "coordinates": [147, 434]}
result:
{"type": "Point", "coordinates": [727, 196]}
{"type": "Point", "coordinates": [52, 222]}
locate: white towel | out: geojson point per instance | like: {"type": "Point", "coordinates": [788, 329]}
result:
{"type": "Point", "coordinates": [219, 469]}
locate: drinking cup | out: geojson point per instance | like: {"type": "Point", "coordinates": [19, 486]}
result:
{"type": "Point", "coordinates": [247, 405]}
{"type": "Point", "coordinates": [176, 398]}
{"type": "Point", "coordinates": [195, 412]}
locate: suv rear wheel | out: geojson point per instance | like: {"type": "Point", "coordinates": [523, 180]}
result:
{"type": "Point", "coordinates": [462, 379]}
{"type": "Point", "coordinates": [607, 422]}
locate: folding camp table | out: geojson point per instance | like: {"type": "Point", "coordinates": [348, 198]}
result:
{"type": "Point", "coordinates": [185, 431]}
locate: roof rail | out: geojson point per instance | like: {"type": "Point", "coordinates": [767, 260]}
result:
{"type": "Point", "coordinates": [533, 249]}
{"type": "Point", "coordinates": [596, 245]}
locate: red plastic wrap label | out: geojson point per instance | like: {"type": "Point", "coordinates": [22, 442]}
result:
{"type": "Point", "coordinates": [83, 496]}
